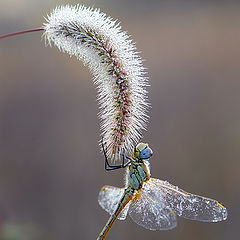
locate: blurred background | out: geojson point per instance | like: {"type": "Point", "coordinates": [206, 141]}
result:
{"type": "Point", "coordinates": [51, 169]}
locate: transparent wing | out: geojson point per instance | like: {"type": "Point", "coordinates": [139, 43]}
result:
{"type": "Point", "coordinates": [188, 205]}
{"type": "Point", "coordinates": [150, 213]}
{"type": "Point", "coordinates": [109, 198]}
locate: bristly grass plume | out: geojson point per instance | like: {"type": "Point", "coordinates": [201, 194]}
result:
{"type": "Point", "coordinates": [98, 41]}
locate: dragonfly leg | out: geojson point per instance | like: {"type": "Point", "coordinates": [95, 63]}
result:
{"type": "Point", "coordinates": [109, 167]}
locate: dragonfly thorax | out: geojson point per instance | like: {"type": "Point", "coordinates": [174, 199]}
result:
{"type": "Point", "coordinates": [137, 174]}
{"type": "Point", "coordinates": [138, 170]}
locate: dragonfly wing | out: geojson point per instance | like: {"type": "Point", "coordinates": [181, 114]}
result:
{"type": "Point", "coordinates": [188, 205]}
{"type": "Point", "coordinates": [150, 213]}
{"type": "Point", "coordinates": [109, 198]}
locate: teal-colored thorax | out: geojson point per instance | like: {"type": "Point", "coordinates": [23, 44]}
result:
{"type": "Point", "coordinates": [138, 171]}
{"type": "Point", "coordinates": [137, 174]}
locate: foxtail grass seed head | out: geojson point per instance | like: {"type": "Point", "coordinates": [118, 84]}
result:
{"type": "Point", "coordinates": [111, 56]}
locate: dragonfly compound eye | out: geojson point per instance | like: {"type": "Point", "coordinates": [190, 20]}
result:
{"type": "Point", "coordinates": [146, 153]}
{"type": "Point", "coordinates": [142, 151]}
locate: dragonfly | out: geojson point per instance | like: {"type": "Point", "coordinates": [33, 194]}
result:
{"type": "Point", "coordinates": [152, 203]}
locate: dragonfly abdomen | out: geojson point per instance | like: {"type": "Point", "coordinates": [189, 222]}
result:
{"type": "Point", "coordinates": [127, 196]}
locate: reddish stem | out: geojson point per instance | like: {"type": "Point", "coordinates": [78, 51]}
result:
{"type": "Point", "coordinates": [21, 32]}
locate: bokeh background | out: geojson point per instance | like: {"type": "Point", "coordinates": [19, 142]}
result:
{"type": "Point", "coordinates": [51, 168]}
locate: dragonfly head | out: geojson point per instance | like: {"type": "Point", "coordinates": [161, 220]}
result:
{"type": "Point", "coordinates": [143, 151]}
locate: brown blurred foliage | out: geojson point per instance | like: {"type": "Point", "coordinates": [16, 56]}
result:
{"type": "Point", "coordinates": [51, 168]}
